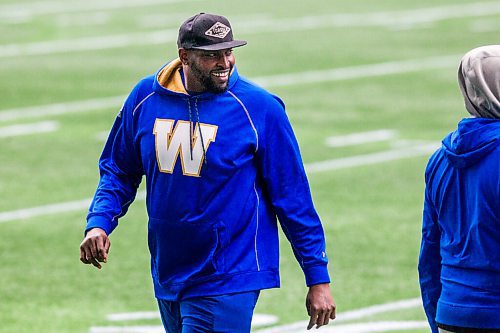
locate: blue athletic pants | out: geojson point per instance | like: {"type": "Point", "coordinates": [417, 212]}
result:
{"type": "Point", "coordinates": [230, 313]}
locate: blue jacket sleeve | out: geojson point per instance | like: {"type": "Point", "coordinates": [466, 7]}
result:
{"type": "Point", "coordinates": [286, 184]}
{"type": "Point", "coordinates": [429, 265]}
{"type": "Point", "coordinates": [120, 173]}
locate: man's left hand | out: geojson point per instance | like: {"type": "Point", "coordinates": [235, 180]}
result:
{"type": "Point", "coordinates": [320, 305]}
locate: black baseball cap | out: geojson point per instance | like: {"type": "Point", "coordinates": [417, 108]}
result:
{"type": "Point", "coordinates": [207, 32]}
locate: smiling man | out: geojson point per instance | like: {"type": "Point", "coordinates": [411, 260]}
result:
{"type": "Point", "coordinates": [222, 167]}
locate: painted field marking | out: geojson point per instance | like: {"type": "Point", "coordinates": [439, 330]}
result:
{"type": "Point", "coordinates": [52, 209]}
{"type": "Point", "coordinates": [337, 325]}
{"type": "Point", "coordinates": [130, 316]}
{"type": "Point", "coordinates": [360, 138]}
{"type": "Point", "coordinates": [258, 320]}
{"type": "Point", "coordinates": [26, 213]}
{"type": "Point", "coordinates": [349, 315]}
{"type": "Point", "coordinates": [373, 158]}
{"type": "Point", "coordinates": [28, 129]}
{"type": "Point", "coordinates": [297, 327]}
{"type": "Point", "coordinates": [368, 327]}
{"type": "Point", "coordinates": [58, 7]}
{"type": "Point", "coordinates": [127, 329]}
{"type": "Point", "coordinates": [334, 164]}
{"type": "Point", "coordinates": [379, 308]}
{"type": "Point", "coordinates": [300, 78]}
{"type": "Point", "coordinates": [359, 71]}
{"type": "Point", "coordinates": [274, 25]}
{"type": "Point", "coordinates": [58, 109]}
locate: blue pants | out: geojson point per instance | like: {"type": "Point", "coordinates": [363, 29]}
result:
{"type": "Point", "coordinates": [225, 313]}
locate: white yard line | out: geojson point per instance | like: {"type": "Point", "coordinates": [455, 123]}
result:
{"type": "Point", "coordinates": [361, 71]}
{"type": "Point", "coordinates": [347, 316]}
{"type": "Point", "coordinates": [87, 43]}
{"type": "Point", "coordinates": [130, 316]}
{"type": "Point", "coordinates": [396, 18]}
{"type": "Point", "coordinates": [265, 25]}
{"type": "Point", "coordinates": [26, 213]}
{"type": "Point", "coordinates": [360, 138]}
{"type": "Point", "coordinates": [373, 158]}
{"type": "Point", "coordinates": [58, 109]}
{"type": "Point", "coordinates": [334, 164]}
{"type": "Point", "coordinates": [28, 129]}
{"type": "Point", "coordinates": [366, 327]}
{"type": "Point", "coordinates": [51, 209]}
{"type": "Point", "coordinates": [380, 308]}
{"type": "Point", "coordinates": [336, 326]}
{"type": "Point", "coordinates": [300, 78]}
{"type": "Point", "coordinates": [58, 7]}
{"type": "Point", "coordinates": [258, 319]}
{"type": "Point", "coordinates": [127, 329]}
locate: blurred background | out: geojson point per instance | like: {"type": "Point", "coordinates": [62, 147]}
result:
{"type": "Point", "coordinates": [370, 89]}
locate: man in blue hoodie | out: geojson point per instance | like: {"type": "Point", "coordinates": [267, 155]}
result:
{"type": "Point", "coordinates": [222, 166]}
{"type": "Point", "coordinates": [459, 264]}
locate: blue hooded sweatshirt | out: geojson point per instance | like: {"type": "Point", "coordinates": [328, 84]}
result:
{"type": "Point", "coordinates": [219, 169]}
{"type": "Point", "coordinates": [459, 264]}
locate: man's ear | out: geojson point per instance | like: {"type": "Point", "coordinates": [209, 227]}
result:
{"type": "Point", "coordinates": [183, 56]}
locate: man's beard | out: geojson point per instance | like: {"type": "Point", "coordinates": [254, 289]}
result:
{"type": "Point", "coordinates": [207, 80]}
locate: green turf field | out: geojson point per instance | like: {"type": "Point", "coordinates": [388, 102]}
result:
{"type": "Point", "coordinates": [342, 67]}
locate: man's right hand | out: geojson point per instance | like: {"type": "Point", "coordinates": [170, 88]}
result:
{"type": "Point", "coordinates": [95, 247]}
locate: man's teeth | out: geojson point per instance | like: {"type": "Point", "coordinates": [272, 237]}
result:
{"type": "Point", "coordinates": [220, 74]}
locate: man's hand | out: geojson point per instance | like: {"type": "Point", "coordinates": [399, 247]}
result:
{"type": "Point", "coordinates": [320, 305]}
{"type": "Point", "coordinates": [95, 247]}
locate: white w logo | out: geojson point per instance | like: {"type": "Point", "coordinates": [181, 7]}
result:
{"type": "Point", "coordinates": [170, 143]}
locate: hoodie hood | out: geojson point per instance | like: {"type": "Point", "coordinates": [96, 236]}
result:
{"type": "Point", "coordinates": [479, 81]}
{"type": "Point", "coordinates": [168, 80]}
{"type": "Point", "coordinates": [473, 140]}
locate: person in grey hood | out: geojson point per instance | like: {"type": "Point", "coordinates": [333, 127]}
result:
{"type": "Point", "coordinates": [459, 264]}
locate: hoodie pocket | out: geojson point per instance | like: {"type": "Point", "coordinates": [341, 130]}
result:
{"type": "Point", "coordinates": [183, 251]}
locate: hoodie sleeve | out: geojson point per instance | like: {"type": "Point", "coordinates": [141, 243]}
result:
{"type": "Point", "coordinates": [429, 265]}
{"type": "Point", "coordinates": [120, 172]}
{"type": "Point", "coordinates": [286, 184]}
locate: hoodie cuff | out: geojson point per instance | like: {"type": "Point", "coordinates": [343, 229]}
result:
{"type": "Point", "coordinates": [97, 221]}
{"type": "Point", "coordinates": [316, 275]}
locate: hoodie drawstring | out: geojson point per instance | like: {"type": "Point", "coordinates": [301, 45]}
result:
{"type": "Point", "coordinates": [191, 130]}
{"type": "Point", "coordinates": [199, 130]}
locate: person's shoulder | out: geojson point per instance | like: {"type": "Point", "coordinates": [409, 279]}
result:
{"type": "Point", "coordinates": [142, 89]}
{"type": "Point", "coordinates": [145, 84]}
{"type": "Point", "coordinates": [433, 164]}
{"type": "Point", "coordinates": [256, 94]}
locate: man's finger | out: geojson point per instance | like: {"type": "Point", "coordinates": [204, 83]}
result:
{"type": "Point", "coordinates": [107, 245]}
{"type": "Point", "coordinates": [312, 320]}
{"type": "Point", "coordinates": [83, 256]}
{"type": "Point", "coordinates": [326, 318]}
{"type": "Point", "coordinates": [84, 260]}
{"type": "Point", "coordinates": [94, 262]}
{"type": "Point", "coordinates": [320, 321]}
{"type": "Point", "coordinates": [85, 253]}
{"type": "Point", "coordinates": [332, 314]}
{"type": "Point", "coordinates": [100, 243]}
{"type": "Point", "coordinates": [93, 247]}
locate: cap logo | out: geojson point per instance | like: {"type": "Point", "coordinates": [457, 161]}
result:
{"type": "Point", "coordinates": [218, 30]}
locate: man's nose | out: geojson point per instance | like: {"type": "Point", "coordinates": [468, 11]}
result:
{"type": "Point", "coordinates": [225, 60]}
